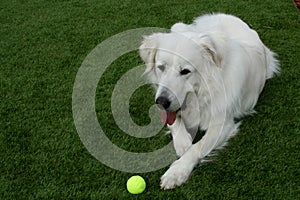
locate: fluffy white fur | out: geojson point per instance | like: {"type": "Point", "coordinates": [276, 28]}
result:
{"type": "Point", "coordinates": [212, 72]}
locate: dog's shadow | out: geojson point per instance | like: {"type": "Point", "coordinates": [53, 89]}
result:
{"type": "Point", "coordinates": [198, 136]}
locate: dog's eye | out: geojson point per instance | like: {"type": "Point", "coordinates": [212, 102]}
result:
{"type": "Point", "coordinates": [185, 72]}
{"type": "Point", "coordinates": [161, 67]}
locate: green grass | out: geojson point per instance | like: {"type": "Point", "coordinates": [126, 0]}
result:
{"type": "Point", "coordinates": [43, 44]}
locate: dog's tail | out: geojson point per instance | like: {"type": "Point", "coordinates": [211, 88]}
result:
{"type": "Point", "coordinates": [273, 65]}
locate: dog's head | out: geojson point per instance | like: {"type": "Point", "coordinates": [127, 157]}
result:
{"type": "Point", "coordinates": [174, 63]}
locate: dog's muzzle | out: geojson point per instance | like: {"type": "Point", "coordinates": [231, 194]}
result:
{"type": "Point", "coordinates": [167, 117]}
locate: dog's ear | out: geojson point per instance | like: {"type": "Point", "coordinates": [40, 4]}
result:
{"type": "Point", "coordinates": [148, 50]}
{"type": "Point", "coordinates": [214, 45]}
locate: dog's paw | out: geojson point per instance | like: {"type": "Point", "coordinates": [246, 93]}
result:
{"type": "Point", "coordinates": [177, 174]}
{"type": "Point", "coordinates": [182, 143]}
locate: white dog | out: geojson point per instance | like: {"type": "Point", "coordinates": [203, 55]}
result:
{"type": "Point", "coordinates": [206, 75]}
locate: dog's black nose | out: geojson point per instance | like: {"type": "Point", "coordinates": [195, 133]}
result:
{"type": "Point", "coordinates": [163, 102]}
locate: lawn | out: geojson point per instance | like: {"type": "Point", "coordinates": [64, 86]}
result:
{"type": "Point", "coordinates": [44, 43]}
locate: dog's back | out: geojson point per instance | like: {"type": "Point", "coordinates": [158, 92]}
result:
{"type": "Point", "coordinates": [238, 30]}
{"type": "Point", "coordinates": [235, 29]}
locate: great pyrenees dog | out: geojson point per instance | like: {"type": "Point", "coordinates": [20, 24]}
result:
{"type": "Point", "coordinates": [207, 75]}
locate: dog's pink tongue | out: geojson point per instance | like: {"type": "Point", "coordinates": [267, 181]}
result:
{"type": "Point", "coordinates": [168, 117]}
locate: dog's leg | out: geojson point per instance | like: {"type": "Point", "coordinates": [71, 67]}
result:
{"type": "Point", "coordinates": [181, 169]}
{"type": "Point", "coordinates": [182, 140]}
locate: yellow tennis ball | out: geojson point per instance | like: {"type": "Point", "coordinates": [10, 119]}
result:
{"type": "Point", "coordinates": [136, 185]}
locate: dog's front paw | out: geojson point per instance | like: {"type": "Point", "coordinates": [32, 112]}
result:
{"type": "Point", "coordinates": [177, 174]}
